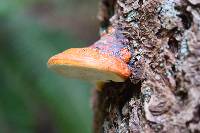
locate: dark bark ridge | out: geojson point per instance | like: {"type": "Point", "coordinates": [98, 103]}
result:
{"type": "Point", "coordinates": [163, 93]}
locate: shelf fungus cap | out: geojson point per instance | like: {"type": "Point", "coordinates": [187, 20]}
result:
{"type": "Point", "coordinates": [89, 64]}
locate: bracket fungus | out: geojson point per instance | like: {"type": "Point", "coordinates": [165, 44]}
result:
{"type": "Point", "coordinates": [105, 60]}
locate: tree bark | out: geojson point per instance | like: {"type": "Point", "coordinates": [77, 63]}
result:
{"type": "Point", "coordinates": [163, 93]}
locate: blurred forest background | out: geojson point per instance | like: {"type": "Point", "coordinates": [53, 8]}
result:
{"type": "Point", "coordinates": [33, 99]}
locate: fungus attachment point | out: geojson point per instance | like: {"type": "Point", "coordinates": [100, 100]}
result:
{"type": "Point", "coordinates": [100, 62]}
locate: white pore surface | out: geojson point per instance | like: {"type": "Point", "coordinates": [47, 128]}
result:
{"type": "Point", "coordinates": [85, 73]}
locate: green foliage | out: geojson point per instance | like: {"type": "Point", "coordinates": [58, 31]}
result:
{"type": "Point", "coordinates": [32, 98]}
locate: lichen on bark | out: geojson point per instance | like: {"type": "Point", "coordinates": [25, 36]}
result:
{"type": "Point", "coordinates": [163, 93]}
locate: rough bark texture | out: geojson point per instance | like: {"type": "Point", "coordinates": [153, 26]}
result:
{"type": "Point", "coordinates": [163, 93]}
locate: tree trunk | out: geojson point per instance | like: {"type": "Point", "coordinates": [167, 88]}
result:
{"type": "Point", "coordinates": [163, 93]}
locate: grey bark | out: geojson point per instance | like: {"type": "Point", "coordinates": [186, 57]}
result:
{"type": "Point", "coordinates": [163, 93]}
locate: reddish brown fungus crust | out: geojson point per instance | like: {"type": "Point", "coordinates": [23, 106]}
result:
{"type": "Point", "coordinates": [114, 44]}
{"type": "Point", "coordinates": [109, 56]}
{"type": "Point", "coordinates": [91, 58]}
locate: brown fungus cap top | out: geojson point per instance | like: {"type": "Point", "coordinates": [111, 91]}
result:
{"type": "Point", "coordinates": [89, 64]}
